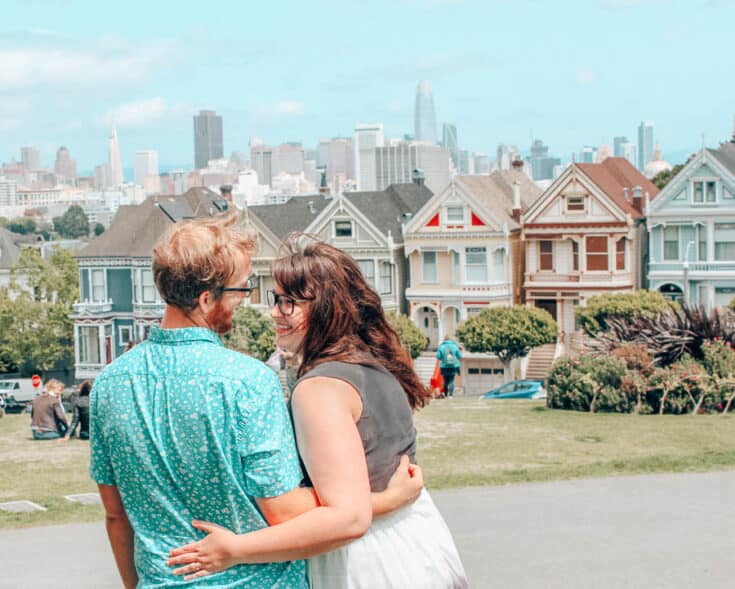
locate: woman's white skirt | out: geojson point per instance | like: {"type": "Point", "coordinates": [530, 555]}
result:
{"type": "Point", "coordinates": [411, 548]}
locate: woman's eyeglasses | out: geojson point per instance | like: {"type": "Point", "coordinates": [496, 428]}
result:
{"type": "Point", "coordinates": [246, 290]}
{"type": "Point", "coordinates": [285, 304]}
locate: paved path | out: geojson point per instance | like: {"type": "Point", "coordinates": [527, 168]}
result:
{"type": "Point", "coordinates": [659, 531]}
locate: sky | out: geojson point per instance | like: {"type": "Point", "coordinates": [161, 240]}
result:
{"type": "Point", "coordinates": [571, 73]}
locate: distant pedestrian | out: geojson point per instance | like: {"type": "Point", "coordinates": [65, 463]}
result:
{"type": "Point", "coordinates": [450, 357]}
{"type": "Point", "coordinates": [80, 413]}
{"type": "Point", "coordinates": [49, 420]}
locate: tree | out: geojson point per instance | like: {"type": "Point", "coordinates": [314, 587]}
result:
{"type": "Point", "coordinates": [73, 223]}
{"type": "Point", "coordinates": [35, 310]}
{"type": "Point", "coordinates": [664, 177]}
{"type": "Point", "coordinates": [4, 221]}
{"type": "Point", "coordinates": [593, 317]}
{"type": "Point", "coordinates": [507, 332]}
{"type": "Point", "coordinates": [412, 338]}
{"type": "Point", "coordinates": [99, 229]}
{"type": "Point", "coordinates": [253, 333]}
{"type": "Point", "coordinates": [23, 225]}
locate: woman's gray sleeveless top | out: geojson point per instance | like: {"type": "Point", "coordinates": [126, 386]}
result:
{"type": "Point", "coordinates": [386, 424]}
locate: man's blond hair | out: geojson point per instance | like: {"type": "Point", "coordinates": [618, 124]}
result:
{"type": "Point", "coordinates": [198, 255]}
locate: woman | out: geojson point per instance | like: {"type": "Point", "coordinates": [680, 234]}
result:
{"type": "Point", "coordinates": [352, 411]}
{"type": "Point", "coordinates": [80, 413]}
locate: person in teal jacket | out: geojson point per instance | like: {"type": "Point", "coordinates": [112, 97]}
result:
{"type": "Point", "coordinates": [449, 356]}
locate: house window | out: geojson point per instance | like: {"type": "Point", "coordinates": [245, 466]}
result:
{"type": "Point", "coordinates": [575, 255]}
{"type": "Point", "coordinates": [367, 267]}
{"type": "Point", "coordinates": [705, 191]}
{"type": "Point", "coordinates": [476, 264]}
{"type": "Point", "coordinates": [89, 345]}
{"type": "Point", "coordinates": [98, 286]}
{"type": "Point", "coordinates": [386, 278]}
{"type": "Point", "coordinates": [125, 334]}
{"type": "Point", "coordinates": [148, 289]}
{"type": "Point", "coordinates": [596, 246]}
{"type": "Point", "coordinates": [343, 228]}
{"type": "Point", "coordinates": [701, 243]}
{"type": "Point", "coordinates": [428, 267]}
{"type": "Point", "coordinates": [456, 276]}
{"type": "Point", "coordinates": [620, 254]}
{"type": "Point", "coordinates": [499, 264]}
{"type": "Point", "coordinates": [575, 204]}
{"type": "Point", "coordinates": [546, 255]}
{"type": "Point", "coordinates": [455, 215]}
{"type": "Point", "coordinates": [725, 242]}
{"type": "Point", "coordinates": [671, 243]}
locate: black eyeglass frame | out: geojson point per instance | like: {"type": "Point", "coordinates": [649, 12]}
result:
{"type": "Point", "coordinates": [273, 299]}
{"type": "Point", "coordinates": [247, 290]}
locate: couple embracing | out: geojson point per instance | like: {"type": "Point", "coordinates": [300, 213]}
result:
{"type": "Point", "coordinates": [202, 478]}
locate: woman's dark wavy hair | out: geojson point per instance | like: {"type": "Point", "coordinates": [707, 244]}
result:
{"type": "Point", "coordinates": [344, 314]}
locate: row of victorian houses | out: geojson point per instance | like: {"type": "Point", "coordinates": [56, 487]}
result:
{"type": "Point", "coordinates": [440, 258]}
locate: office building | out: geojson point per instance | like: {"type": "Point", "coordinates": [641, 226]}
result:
{"type": "Point", "coordinates": [31, 158]}
{"type": "Point", "coordinates": [395, 164]}
{"type": "Point", "coordinates": [114, 162]}
{"type": "Point", "coordinates": [208, 144]}
{"type": "Point", "coordinates": [8, 190]}
{"type": "Point", "coordinates": [367, 139]}
{"type": "Point", "coordinates": [645, 144]}
{"type": "Point", "coordinates": [424, 114]}
{"type": "Point", "coordinates": [505, 156]}
{"type": "Point", "coordinates": [449, 140]}
{"type": "Point", "coordinates": [542, 166]}
{"type": "Point", "coordinates": [618, 143]}
{"type": "Point", "coordinates": [146, 171]}
{"type": "Point", "coordinates": [588, 155]}
{"type": "Point", "coordinates": [65, 167]}
{"type": "Point", "coordinates": [481, 163]}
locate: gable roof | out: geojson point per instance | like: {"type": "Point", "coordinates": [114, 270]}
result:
{"type": "Point", "coordinates": [296, 214]}
{"type": "Point", "coordinates": [136, 228]}
{"type": "Point", "coordinates": [496, 193]}
{"type": "Point", "coordinates": [613, 176]}
{"type": "Point", "coordinates": [9, 251]}
{"type": "Point", "coordinates": [725, 155]}
{"type": "Point", "coordinates": [386, 208]}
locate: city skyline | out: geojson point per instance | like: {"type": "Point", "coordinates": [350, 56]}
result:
{"type": "Point", "coordinates": [500, 73]}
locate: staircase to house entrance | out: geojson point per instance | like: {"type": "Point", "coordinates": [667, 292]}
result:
{"type": "Point", "coordinates": [540, 360]}
{"type": "Point", "coordinates": [424, 366]}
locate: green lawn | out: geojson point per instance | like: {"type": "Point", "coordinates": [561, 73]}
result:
{"type": "Point", "coordinates": [461, 442]}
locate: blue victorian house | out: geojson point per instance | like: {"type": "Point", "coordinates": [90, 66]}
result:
{"type": "Point", "coordinates": [691, 229]}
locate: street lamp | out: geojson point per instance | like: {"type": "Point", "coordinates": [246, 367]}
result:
{"type": "Point", "coordinates": [685, 295]}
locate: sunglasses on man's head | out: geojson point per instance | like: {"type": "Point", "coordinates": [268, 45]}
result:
{"type": "Point", "coordinates": [285, 304]}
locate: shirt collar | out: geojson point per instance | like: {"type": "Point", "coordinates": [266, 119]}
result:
{"type": "Point", "coordinates": [182, 335]}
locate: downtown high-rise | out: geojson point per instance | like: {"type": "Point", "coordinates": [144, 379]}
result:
{"type": "Point", "coordinates": [424, 114]}
{"type": "Point", "coordinates": [208, 144]}
{"type": "Point", "coordinates": [366, 140]}
{"type": "Point", "coordinates": [645, 144]}
{"type": "Point", "coordinates": [114, 175]}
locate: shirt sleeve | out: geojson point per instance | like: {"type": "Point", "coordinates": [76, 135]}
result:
{"type": "Point", "coordinates": [266, 439]}
{"type": "Point", "coordinates": [100, 465]}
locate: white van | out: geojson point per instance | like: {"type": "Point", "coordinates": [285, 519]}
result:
{"type": "Point", "coordinates": [17, 393]}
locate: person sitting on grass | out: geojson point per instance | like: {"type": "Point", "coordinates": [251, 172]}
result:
{"type": "Point", "coordinates": [49, 420]}
{"type": "Point", "coordinates": [80, 413]}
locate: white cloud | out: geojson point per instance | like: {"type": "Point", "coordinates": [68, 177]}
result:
{"type": "Point", "coordinates": [585, 76]}
{"type": "Point", "coordinates": [144, 112]}
{"type": "Point", "coordinates": [31, 67]}
{"type": "Point", "coordinates": [283, 109]}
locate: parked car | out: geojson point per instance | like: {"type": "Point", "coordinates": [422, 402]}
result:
{"type": "Point", "coordinates": [17, 394]}
{"type": "Point", "coordinates": [518, 389]}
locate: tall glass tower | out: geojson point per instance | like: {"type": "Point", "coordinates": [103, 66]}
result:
{"type": "Point", "coordinates": [645, 144]}
{"type": "Point", "coordinates": [424, 115]}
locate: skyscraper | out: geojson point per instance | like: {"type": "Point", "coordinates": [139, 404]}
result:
{"type": "Point", "coordinates": [146, 171]}
{"type": "Point", "coordinates": [424, 115]}
{"type": "Point", "coordinates": [367, 139]}
{"type": "Point", "coordinates": [645, 144]}
{"type": "Point", "coordinates": [396, 162]}
{"type": "Point", "coordinates": [114, 162]}
{"type": "Point", "coordinates": [449, 140]}
{"type": "Point", "coordinates": [208, 144]}
{"type": "Point", "coordinates": [618, 143]}
{"type": "Point", "coordinates": [65, 167]}
{"type": "Point", "coordinates": [31, 158]}
{"type": "Point", "coordinates": [542, 166]}
{"type": "Point", "coordinates": [588, 154]}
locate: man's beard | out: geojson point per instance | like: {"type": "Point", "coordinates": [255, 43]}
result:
{"type": "Point", "coordinates": [219, 319]}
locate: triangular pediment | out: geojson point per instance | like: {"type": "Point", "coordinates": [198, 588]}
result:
{"type": "Point", "coordinates": [331, 226]}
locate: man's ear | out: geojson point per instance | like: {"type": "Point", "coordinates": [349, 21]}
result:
{"type": "Point", "coordinates": [206, 300]}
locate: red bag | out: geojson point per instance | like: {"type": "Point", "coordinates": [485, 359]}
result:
{"type": "Point", "coordinates": [437, 381]}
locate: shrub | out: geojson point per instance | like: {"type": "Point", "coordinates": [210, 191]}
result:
{"type": "Point", "coordinates": [585, 383]}
{"type": "Point", "coordinates": [593, 317]}
{"type": "Point", "coordinates": [678, 388]}
{"type": "Point", "coordinates": [411, 336]}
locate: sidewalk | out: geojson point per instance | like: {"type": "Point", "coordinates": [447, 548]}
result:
{"type": "Point", "coordinates": [657, 531]}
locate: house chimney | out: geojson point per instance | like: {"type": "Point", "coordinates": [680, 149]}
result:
{"type": "Point", "coordinates": [323, 186]}
{"type": "Point", "coordinates": [516, 199]}
{"type": "Point", "coordinates": [638, 199]}
{"type": "Point", "coordinates": [418, 176]}
{"type": "Point", "coordinates": [312, 210]}
{"type": "Point", "coordinates": [626, 194]}
{"type": "Point", "coordinates": [517, 164]}
{"type": "Point", "coordinates": [226, 192]}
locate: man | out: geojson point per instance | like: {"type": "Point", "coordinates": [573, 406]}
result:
{"type": "Point", "coordinates": [449, 356]}
{"type": "Point", "coordinates": [184, 428]}
{"type": "Point", "coordinates": [49, 419]}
